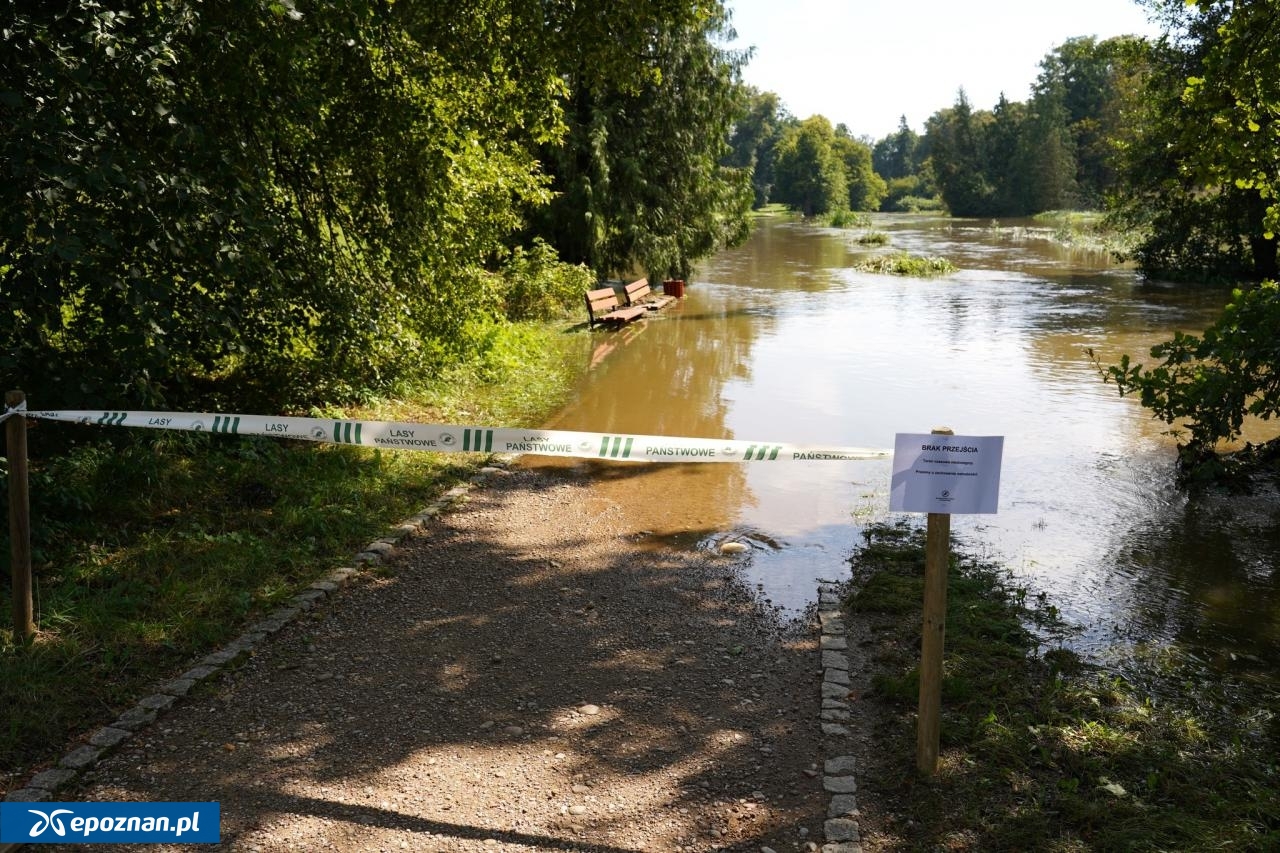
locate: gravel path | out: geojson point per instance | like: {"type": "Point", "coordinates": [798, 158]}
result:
{"type": "Point", "coordinates": [525, 674]}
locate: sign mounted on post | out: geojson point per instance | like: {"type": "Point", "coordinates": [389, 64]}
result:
{"type": "Point", "coordinates": [951, 474]}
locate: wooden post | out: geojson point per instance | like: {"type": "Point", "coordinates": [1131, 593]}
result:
{"type": "Point", "coordinates": [937, 556]}
{"type": "Point", "coordinates": [19, 520]}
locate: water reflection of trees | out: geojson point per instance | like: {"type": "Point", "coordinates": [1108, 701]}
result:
{"type": "Point", "coordinates": [667, 377]}
{"type": "Point", "coordinates": [784, 255]}
{"type": "Point", "coordinates": [1203, 574]}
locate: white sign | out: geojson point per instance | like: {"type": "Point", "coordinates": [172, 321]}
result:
{"type": "Point", "coordinates": [951, 474]}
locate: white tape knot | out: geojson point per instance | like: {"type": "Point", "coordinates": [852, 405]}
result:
{"type": "Point", "coordinates": [10, 411]}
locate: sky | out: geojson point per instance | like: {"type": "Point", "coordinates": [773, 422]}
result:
{"type": "Point", "coordinates": [867, 62]}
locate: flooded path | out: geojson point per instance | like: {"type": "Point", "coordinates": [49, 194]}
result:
{"type": "Point", "coordinates": [781, 340]}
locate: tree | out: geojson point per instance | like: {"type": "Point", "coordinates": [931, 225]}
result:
{"type": "Point", "coordinates": [957, 141]}
{"type": "Point", "coordinates": [809, 170]}
{"type": "Point", "coordinates": [1220, 187]}
{"type": "Point", "coordinates": [649, 99]}
{"type": "Point", "coordinates": [1198, 167]}
{"type": "Point", "coordinates": [895, 155]}
{"type": "Point", "coordinates": [866, 188]}
{"type": "Point", "coordinates": [241, 198]}
{"type": "Point", "coordinates": [753, 139]}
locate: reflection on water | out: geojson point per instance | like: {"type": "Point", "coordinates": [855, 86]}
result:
{"type": "Point", "coordinates": [781, 340]}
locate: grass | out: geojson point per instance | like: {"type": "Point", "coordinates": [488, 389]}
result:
{"type": "Point", "coordinates": [1041, 752]}
{"type": "Point", "coordinates": [907, 265]}
{"type": "Point", "coordinates": [1083, 230]}
{"type": "Point", "coordinates": [151, 548]}
{"type": "Point", "coordinates": [849, 219]}
{"type": "Point", "coordinates": [873, 238]}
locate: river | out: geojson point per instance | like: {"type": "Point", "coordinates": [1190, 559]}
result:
{"type": "Point", "coordinates": [781, 340]}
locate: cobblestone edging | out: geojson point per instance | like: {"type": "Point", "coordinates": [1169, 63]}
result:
{"type": "Point", "coordinates": [841, 827]}
{"type": "Point", "coordinates": [107, 739]}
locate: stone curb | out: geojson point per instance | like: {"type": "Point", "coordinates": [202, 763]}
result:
{"type": "Point", "coordinates": [841, 827]}
{"type": "Point", "coordinates": [68, 769]}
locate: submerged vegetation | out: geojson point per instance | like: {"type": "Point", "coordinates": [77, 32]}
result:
{"type": "Point", "coordinates": [906, 264]}
{"type": "Point", "coordinates": [1040, 751]}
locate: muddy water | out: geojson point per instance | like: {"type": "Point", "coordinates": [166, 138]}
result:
{"type": "Point", "coordinates": [781, 340]}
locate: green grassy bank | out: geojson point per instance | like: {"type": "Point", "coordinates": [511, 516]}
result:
{"type": "Point", "coordinates": [1041, 752]}
{"type": "Point", "coordinates": [151, 548]}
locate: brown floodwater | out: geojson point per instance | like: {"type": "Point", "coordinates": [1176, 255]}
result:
{"type": "Point", "coordinates": [781, 340]}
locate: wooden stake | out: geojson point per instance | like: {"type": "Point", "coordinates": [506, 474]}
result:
{"type": "Point", "coordinates": [937, 556]}
{"type": "Point", "coordinates": [19, 520]}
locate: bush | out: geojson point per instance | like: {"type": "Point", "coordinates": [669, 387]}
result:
{"type": "Point", "coordinates": [849, 219]}
{"type": "Point", "coordinates": [1213, 381]}
{"type": "Point", "coordinates": [539, 286]}
{"type": "Point", "coordinates": [909, 265]}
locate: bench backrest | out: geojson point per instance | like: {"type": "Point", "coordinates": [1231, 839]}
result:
{"type": "Point", "coordinates": [601, 301]}
{"type": "Point", "coordinates": [637, 290]}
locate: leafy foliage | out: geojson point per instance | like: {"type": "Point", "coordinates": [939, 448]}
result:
{"type": "Point", "coordinates": [639, 180]}
{"type": "Point", "coordinates": [810, 170]}
{"type": "Point", "coordinates": [539, 286]}
{"type": "Point", "coordinates": [280, 203]}
{"type": "Point", "coordinates": [1214, 380]}
{"type": "Point", "coordinates": [1198, 162]}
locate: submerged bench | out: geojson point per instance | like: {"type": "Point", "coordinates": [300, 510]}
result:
{"type": "Point", "coordinates": [603, 306]}
{"type": "Point", "coordinates": [640, 293]}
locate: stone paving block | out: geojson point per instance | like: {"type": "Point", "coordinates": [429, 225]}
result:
{"type": "Point", "coordinates": [134, 719]}
{"type": "Point", "coordinates": [199, 673]}
{"type": "Point", "coordinates": [835, 660]}
{"type": "Point", "coordinates": [842, 847]}
{"type": "Point", "coordinates": [397, 534]}
{"type": "Point", "coordinates": [156, 701]}
{"type": "Point", "coordinates": [841, 765]}
{"type": "Point", "coordinates": [834, 691]}
{"type": "Point", "coordinates": [837, 704]}
{"type": "Point", "coordinates": [285, 613]}
{"type": "Point", "coordinates": [309, 596]}
{"type": "Point", "coordinates": [842, 805]}
{"type": "Point", "coordinates": [220, 657]}
{"type": "Point", "coordinates": [109, 738]}
{"type": "Point", "coordinates": [833, 715]}
{"type": "Point", "coordinates": [368, 557]}
{"type": "Point", "coordinates": [379, 547]}
{"type": "Point", "coordinates": [839, 784]}
{"type": "Point", "coordinates": [324, 586]}
{"type": "Point", "coordinates": [52, 780]}
{"type": "Point", "coordinates": [178, 687]}
{"type": "Point", "coordinates": [838, 644]}
{"type": "Point", "coordinates": [835, 730]}
{"type": "Point", "coordinates": [81, 757]}
{"type": "Point", "coordinates": [342, 576]}
{"type": "Point", "coordinates": [27, 795]}
{"type": "Point", "coordinates": [836, 676]}
{"type": "Point", "coordinates": [841, 829]}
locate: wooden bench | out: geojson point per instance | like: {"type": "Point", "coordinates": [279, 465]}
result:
{"type": "Point", "coordinates": [603, 307]}
{"type": "Point", "coordinates": [639, 293]}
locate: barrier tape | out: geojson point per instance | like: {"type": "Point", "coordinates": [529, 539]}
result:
{"type": "Point", "coordinates": [444, 438]}
{"type": "Point", "coordinates": [10, 411]}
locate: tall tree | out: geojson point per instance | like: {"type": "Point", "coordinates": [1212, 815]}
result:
{"type": "Point", "coordinates": [620, 180]}
{"type": "Point", "coordinates": [957, 140]}
{"type": "Point", "coordinates": [754, 138]}
{"type": "Point", "coordinates": [238, 193]}
{"type": "Point", "coordinates": [895, 155]}
{"type": "Point", "coordinates": [810, 171]}
{"type": "Point", "coordinates": [866, 188]}
{"type": "Point", "coordinates": [1198, 163]}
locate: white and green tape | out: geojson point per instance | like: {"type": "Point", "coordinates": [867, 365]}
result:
{"type": "Point", "coordinates": [464, 439]}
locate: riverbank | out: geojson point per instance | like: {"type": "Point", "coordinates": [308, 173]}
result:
{"type": "Point", "coordinates": [1041, 751]}
{"type": "Point", "coordinates": [151, 549]}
